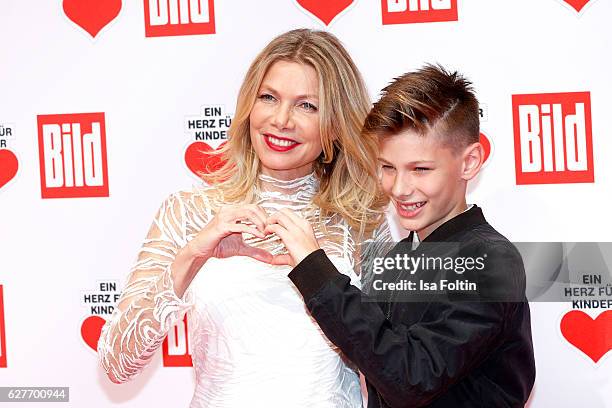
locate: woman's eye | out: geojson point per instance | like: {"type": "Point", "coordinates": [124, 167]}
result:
{"type": "Point", "coordinates": [267, 97]}
{"type": "Point", "coordinates": [386, 167]}
{"type": "Point", "coordinates": [308, 106]}
{"type": "Point", "coordinates": [421, 169]}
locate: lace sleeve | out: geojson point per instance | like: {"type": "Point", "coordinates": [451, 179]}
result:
{"type": "Point", "coordinates": [148, 305]}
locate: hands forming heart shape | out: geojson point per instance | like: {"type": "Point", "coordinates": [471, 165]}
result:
{"type": "Point", "coordinates": [222, 236]}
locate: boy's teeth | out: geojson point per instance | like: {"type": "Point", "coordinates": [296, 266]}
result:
{"type": "Point", "coordinates": [412, 207]}
{"type": "Point", "coordinates": [279, 142]}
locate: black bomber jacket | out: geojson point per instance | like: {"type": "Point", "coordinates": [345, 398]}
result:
{"type": "Point", "coordinates": [445, 353]}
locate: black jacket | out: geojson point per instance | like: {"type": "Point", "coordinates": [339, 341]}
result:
{"type": "Point", "coordinates": [450, 352]}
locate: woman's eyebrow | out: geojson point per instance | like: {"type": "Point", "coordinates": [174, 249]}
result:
{"type": "Point", "coordinates": [266, 87]}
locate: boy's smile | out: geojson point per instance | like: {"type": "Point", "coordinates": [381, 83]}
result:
{"type": "Point", "coordinates": [425, 180]}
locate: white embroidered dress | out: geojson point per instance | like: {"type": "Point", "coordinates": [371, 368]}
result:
{"type": "Point", "coordinates": [252, 340]}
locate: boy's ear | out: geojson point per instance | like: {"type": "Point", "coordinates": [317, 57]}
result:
{"type": "Point", "coordinates": [473, 156]}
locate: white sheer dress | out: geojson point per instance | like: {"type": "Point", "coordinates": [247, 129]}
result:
{"type": "Point", "coordinates": [252, 341]}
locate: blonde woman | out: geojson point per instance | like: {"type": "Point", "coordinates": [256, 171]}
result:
{"type": "Point", "coordinates": [294, 143]}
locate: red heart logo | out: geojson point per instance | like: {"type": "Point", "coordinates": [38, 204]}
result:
{"type": "Point", "coordinates": [592, 337]}
{"type": "Point", "coordinates": [577, 4]}
{"type": "Point", "coordinates": [486, 145]}
{"type": "Point", "coordinates": [200, 159]}
{"type": "Point", "coordinates": [91, 329]}
{"type": "Point", "coordinates": [8, 166]}
{"type": "Point", "coordinates": [92, 15]}
{"type": "Point", "coordinates": [326, 10]}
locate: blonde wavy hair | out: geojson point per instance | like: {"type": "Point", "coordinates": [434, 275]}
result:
{"type": "Point", "coordinates": [346, 169]}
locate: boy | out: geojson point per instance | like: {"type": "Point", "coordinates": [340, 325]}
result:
{"type": "Point", "coordinates": [466, 348]}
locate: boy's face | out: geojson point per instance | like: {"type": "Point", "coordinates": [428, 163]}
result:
{"type": "Point", "coordinates": [425, 180]}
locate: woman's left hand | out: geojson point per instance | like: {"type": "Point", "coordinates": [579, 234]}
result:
{"type": "Point", "coordinates": [295, 232]}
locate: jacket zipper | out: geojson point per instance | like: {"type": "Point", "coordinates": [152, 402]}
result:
{"type": "Point", "coordinates": [380, 404]}
{"type": "Point", "coordinates": [389, 304]}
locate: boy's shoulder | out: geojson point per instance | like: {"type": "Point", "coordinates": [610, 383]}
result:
{"type": "Point", "coordinates": [483, 237]}
{"type": "Point", "coordinates": [486, 234]}
{"type": "Point", "coordinates": [474, 227]}
{"type": "Point", "coordinates": [503, 277]}
{"type": "Point", "coordinates": [487, 241]}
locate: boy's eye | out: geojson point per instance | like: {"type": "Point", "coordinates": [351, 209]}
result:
{"type": "Point", "coordinates": [308, 106]}
{"type": "Point", "coordinates": [421, 169]}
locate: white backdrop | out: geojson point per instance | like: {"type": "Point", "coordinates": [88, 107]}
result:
{"type": "Point", "coordinates": [55, 252]}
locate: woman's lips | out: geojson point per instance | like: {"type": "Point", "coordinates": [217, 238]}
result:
{"type": "Point", "coordinates": [279, 144]}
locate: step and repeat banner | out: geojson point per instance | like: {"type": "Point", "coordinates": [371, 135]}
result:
{"type": "Point", "coordinates": [108, 106]}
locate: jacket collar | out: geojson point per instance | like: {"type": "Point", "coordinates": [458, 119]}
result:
{"type": "Point", "coordinates": [465, 220]}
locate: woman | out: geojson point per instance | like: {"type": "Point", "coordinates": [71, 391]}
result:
{"type": "Point", "coordinates": [294, 143]}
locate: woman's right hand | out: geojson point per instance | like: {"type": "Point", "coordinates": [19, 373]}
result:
{"type": "Point", "coordinates": [222, 236]}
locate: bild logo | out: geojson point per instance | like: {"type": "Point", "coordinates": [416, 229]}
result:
{"type": "Point", "coordinates": [418, 11]}
{"type": "Point", "coordinates": [178, 17]}
{"type": "Point", "coordinates": [72, 151]}
{"type": "Point", "coordinates": [552, 138]}
{"type": "Point", "coordinates": [175, 348]}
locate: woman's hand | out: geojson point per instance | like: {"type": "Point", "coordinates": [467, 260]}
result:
{"type": "Point", "coordinates": [222, 236]}
{"type": "Point", "coordinates": [295, 232]}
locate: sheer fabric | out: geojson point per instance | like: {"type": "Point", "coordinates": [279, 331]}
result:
{"type": "Point", "coordinates": [252, 340]}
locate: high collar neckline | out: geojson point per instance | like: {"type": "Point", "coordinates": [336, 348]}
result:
{"type": "Point", "coordinates": [305, 185]}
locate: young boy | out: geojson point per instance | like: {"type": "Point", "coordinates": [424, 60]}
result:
{"type": "Point", "coordinates": [465, 348]}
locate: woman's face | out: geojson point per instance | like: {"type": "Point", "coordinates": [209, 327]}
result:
{"type": "Point", "coordinates": [284, 121]}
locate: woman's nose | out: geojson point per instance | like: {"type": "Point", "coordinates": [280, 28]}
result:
{"type": "Point", "coordinates": [282, 117]}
